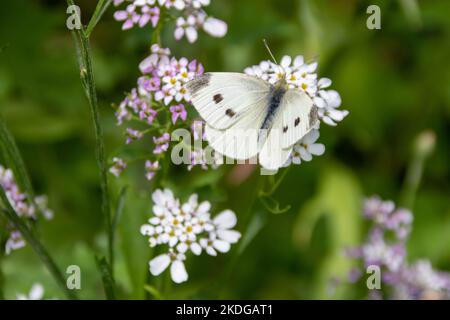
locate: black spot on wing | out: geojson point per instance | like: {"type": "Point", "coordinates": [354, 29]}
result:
{"type": "Point", "coordinates": [285, 129]}
{"type": "Point", "coordinates": [313, 115]}
{"type": "Point", "coordinates": [230, 113]}
{"type": "Point", "coordinates": [198, 83]}
{"type": "Point", "coordinates": [217, 98]}
{"type": "Point", "coordinates": [296, 122]}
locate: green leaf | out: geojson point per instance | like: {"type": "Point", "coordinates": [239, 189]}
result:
{"type": "Point", "coordinates": [13, 159]}
{"type": "Point", "coordinates": [153, 292]}
{"type": "Point", "coordinates": [100, 9]}
{"type": "Point", "coordinates": [338, 200]}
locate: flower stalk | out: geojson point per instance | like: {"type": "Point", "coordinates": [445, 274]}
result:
{"type": "Point", "coordinates": [87, 78]}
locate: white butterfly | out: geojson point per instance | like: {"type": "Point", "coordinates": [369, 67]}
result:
{"type": "Point", "coordinates": [246, 116]}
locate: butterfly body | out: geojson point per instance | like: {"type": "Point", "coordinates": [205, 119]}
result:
{"type": "Point", "coordinates": [275, 97]}
{"type": "Point", "coordinates": [246, 116]}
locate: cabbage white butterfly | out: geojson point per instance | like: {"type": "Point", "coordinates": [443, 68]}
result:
{"type": "Point", "coordinates": [246, 116]}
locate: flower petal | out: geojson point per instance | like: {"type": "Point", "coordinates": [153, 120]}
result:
{"type": "Point", "coordinates": [285, 61]}
{"type": "Point", "coordinates": [36, 292]}
{"type": "Point", "coordinates": [179, 33]}
{"type": "Point", "coordinates": [221, 246]}
{"type": "Point", "coordinates": [159, 264]}
{"type": "Point", "coordinates": [316, 149]}
{"type": "Point", "coordinates": [225, 220]}
{"type": "Point", "coordinates": [215, 27]}
{"type": "Point", "coordinates": [324, 83]}
{"type": "Point", "coordinates": [178, 272]}
{"type": "Point", "coordinates": [230, 236]}
{"type": "Point", "coordinates": [196, 248]}
{"type": "Point", "coordinates": [191, 34]}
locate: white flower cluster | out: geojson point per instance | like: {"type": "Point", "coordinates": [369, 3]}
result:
{"type": "Point", "coordinates": [186, 227]}
{"type": "Point", "coordinates": [21, 205]}
{"type": "Point", "coordinates": [142, 12]}
{"type": "Point", "coordinates": [198, 19]}
{"type": "Point", "coordinates": [301, 75]}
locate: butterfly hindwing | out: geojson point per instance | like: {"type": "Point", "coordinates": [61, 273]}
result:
{"type": "Point", "coordinates": [299, 116]}
{"type": "Point", "coordinates": [272, 155]}
{"type": "Point", "coordinates": [222, 98]}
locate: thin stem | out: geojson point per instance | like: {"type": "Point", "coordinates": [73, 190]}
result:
{"type": "Point", "coordinates": [100, 9]}
{"type": "Point", "coordinates": [87, 78]}
{"type": "Point", "coordinates": [276, 184]}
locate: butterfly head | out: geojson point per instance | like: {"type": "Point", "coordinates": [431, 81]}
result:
{"type": "Point", "coordinates": [281, 84]}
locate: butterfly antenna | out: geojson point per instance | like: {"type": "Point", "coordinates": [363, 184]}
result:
{"type": "Point", "coordinates": [270, 52]}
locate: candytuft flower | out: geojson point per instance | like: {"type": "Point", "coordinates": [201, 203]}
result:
{"type": "Point", "coordinates": [305, 148]}
{"type": "Point", "coordinates": [118, 166]}
{"type": "Point", "coordinates": [184, 228]}
{"type": "Point", "coordinates": [22, 206]}
{"type": "Point", "coordinates": [160, 93]}
{"type": "Point", "coordinates": [386, 247]}
{"type": "Point", "coordinates": [190, 17]}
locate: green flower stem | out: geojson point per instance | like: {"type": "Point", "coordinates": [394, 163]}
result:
{"type": "Point", "coordinates": [84, 55]}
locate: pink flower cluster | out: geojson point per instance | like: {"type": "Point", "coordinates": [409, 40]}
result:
{"type": "Point", "coordinates": [160, 90]}
{"type": "Point", "coordinates": [193, 17]}
{"type": "Point", "coordinates": [21, 204]}
{"type": "Point", "coordinates": [162, 82]}
{"type": "Point", "coordinates": [386, 248]}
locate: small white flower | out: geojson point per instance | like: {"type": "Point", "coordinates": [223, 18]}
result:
{"type": "Point", "coordinates": [177, 4]}
{"type": "Point", "coordinates": [305, 148]}
{"type": "Point", "coordinates": [36, 293]}
{"type": "Point", "coordinates": [118, 166]}
{"type": "Point", "coordinates": [328, 102]}
{"type": "Point", "coordinates": [158, 56]}
{"type": "Point", "coordinates": [223, 222]}
{"type": "Point", "coordinates": [186, 27]}
{"type": "Point", "coordinates": [14, 242]}
{"type": "Point", "coordinates": [175, 260]}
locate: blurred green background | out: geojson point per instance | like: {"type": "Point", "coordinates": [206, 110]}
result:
{"type": "Point", "coordinates": [395, 82]}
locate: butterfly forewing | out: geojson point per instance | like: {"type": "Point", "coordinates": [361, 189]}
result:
{"type": "Point", "coordinates": [240, 141]}
{"type": "Point", "coordinates": [223, 98]}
